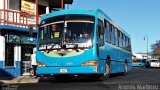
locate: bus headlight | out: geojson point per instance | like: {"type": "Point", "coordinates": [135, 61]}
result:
{"type": "Point", "coordinates": [90, 63]}
{"type": "Point", "coordinates": [41, 64]}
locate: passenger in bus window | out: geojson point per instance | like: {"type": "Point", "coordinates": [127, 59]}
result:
{"type": "Point", "coordinates": [85, 35]}
{"type": "Point", "coordinates": [84, 38]}
{"type": "Point", "coordinates": [68, 39]}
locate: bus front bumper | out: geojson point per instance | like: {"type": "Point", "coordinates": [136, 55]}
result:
{"type": "Point", "coordinates": [68, 70]}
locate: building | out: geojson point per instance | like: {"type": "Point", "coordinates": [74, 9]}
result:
{"type": "Point", "coordinates": [16, 39]}
{"type": "Point", "coordinates": [141, 56]}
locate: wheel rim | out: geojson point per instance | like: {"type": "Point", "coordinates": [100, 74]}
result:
{"type": "Point", "coordinates": [107, 70]}
{"type": "Point", "coordinates": [126, 67]}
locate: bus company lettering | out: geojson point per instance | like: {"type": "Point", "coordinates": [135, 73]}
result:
{"type": "Point", "coordinates": [70, 46]}
{"type": "Point", "coordinates": [44, 47]}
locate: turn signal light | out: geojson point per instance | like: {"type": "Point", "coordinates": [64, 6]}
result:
{"type": "Point", "coordinates": [41, 64]}
{"type": "Point", "coordinates": [90, 63]}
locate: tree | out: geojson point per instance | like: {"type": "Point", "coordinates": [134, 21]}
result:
{"type": "Point", "coordinates": [156, 49]}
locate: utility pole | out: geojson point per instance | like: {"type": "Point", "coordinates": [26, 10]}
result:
{"type": "Point", "coordinates": [146, 38]}
{"type": "Point", "coordinates": [62, 4]}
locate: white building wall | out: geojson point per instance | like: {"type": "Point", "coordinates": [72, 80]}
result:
{"type": "Point", "coordinates": [138, 56]}
{"type": "Point", "coordinates": [142, 56]}
{"type": "Point", "coordinates": [17, 53]}
{"type": "Point", "coordinates": [2, 48]}
{"type": "Point", "coordinates": [1, 6]}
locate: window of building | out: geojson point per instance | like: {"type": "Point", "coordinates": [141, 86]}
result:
{"type": "Point", "coordinates": [9, 55]}
{"type": "Point", "coordinates": [14, 4]}
{"type": "Point", "coordinates": [41, 9]}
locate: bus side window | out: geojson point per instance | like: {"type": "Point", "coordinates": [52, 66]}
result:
{"type": "Point", "coordinates": [126, 42]}
{"type": "Point", "coordinates": [119, 39]}
{"type": "Point", "coordinates": [100, 33]}
{"type": "Point", "coordinates": [124, 38]}
{"type": "Point", "coordinates": [116, 36]}
{"type": "Point", "coordinates": [41, 31]}
{"type": "Point", "coordinates": [107, 31]}
{"type": "Point", "coordinates": [129, 44]}
{"type": "Point", "coordinates": [113, 35]}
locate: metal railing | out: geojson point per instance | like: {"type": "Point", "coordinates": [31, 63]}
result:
{"type": "Point", "coordinates": [17, 18]}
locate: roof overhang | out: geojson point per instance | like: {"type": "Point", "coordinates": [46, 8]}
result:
{"type": "Point", "coordinates": [57, 3]}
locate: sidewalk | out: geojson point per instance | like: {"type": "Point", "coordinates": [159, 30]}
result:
{"type": "Point", "coordinates": [17, 80]}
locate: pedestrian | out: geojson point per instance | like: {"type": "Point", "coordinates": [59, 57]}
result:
{"type": "Point", "coordinates": [34, 62]}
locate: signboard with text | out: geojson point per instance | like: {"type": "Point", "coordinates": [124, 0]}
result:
{"type": "Point", "coordinates": [27, 7]}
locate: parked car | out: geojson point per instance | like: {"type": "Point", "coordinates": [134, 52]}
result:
{"type": "Point", "coordinates": [154, 63]}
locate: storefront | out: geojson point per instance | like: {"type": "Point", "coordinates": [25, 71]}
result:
{"type": "Point", "coordinates": [18, 47]}
{"type": "Point", "coordinates": [16, 42]}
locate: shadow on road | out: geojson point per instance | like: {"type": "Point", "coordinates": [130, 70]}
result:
{"type": "Point", "coordinates": [51, 79]}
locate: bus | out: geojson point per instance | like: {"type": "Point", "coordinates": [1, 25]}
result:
{"type": "Point", "coordinates": [81, 43]}
{"type": "Point", "coordinates": [138, 62]}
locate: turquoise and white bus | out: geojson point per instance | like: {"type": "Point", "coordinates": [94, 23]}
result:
{"type": "Point", "coordinates": [81, 42]}
{"type": "Point", "coordinates": [138, 62]}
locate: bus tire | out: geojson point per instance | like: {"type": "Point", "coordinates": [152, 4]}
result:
{"type": "Point", "coordinates": [125, 68]}
{"type": "Point", "coordinates": [107, 68]}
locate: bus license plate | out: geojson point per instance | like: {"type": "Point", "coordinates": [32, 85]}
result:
{"type": "Point", "coordinates": [63, 70]}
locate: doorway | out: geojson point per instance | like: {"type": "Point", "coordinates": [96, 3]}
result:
{"type": "Point", "coordinates": [41, 9]}
{"type": "Point", "coordinates": [26, 51]}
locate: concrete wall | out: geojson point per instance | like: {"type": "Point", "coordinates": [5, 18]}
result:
{"type": "Point", "coordinates": [1, 6]}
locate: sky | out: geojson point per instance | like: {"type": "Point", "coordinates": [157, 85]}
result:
{"type": "Point", "coordinates": [139, 18]}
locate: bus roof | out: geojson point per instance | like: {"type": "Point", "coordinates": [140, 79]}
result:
{"type": "Point", "coordinates": [85, 12]}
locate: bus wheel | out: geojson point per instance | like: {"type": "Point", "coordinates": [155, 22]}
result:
{"type": "Point", "coordinates": [107, 70]}
{"type": "Point", "coordinates": [61, 78]}
{"type": "Point", "coordinates": [125, 68]}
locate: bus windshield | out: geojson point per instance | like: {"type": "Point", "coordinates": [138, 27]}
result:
{"type": "Point", "coordinates": [66, 31]}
